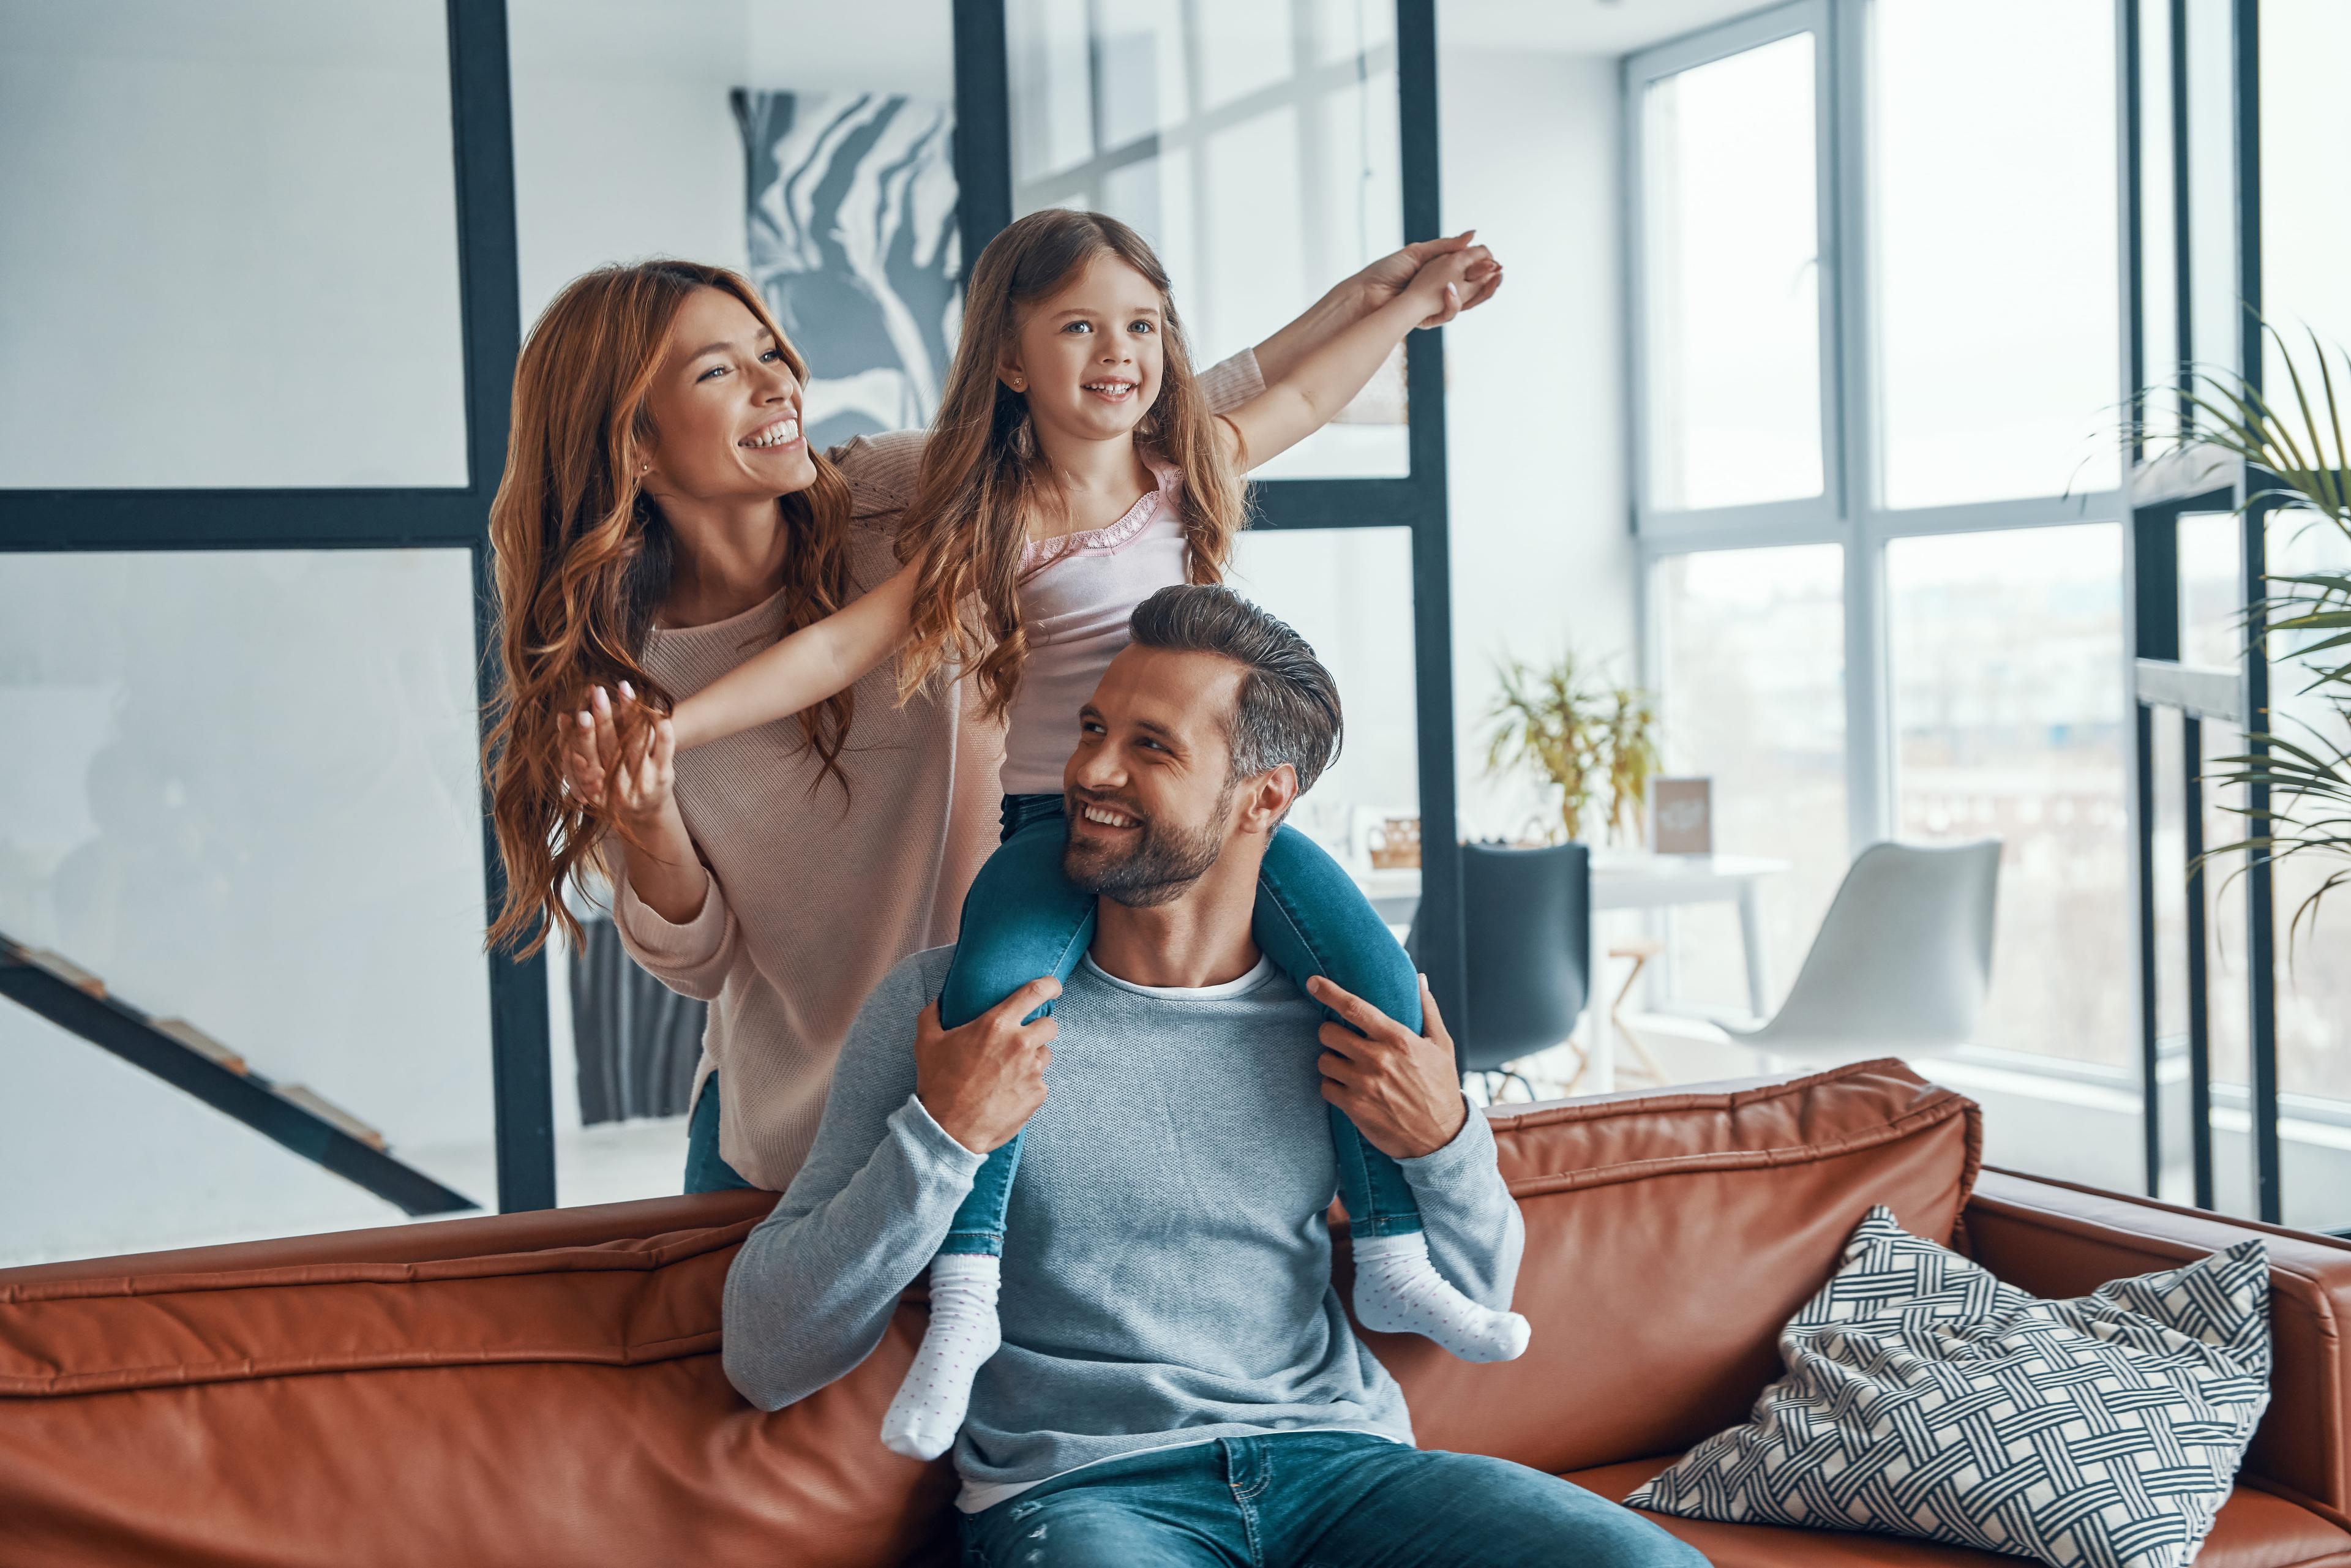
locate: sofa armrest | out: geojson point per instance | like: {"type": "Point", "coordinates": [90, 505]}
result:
{"type": "Point", "coordinates": [2056, 1239]}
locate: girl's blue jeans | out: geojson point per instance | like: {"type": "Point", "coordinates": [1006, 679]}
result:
{"type": "Point", "coordinates": [1022, 919]}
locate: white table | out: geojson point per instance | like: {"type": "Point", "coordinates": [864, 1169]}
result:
{"type": "Point", "coordinates": [1628, 879]}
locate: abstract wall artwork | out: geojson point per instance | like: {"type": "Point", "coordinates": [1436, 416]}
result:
{"type": "Point", "coordinates": [852, 206]}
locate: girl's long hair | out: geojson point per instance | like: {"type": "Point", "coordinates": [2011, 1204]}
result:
{"type": "Point", "coordinates": [583, 560]}
{"type": "Point", "coordinates": [984, 471]}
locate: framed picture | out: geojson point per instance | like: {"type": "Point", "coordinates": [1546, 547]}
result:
{"type": "Point", "coordinates": [1682, 812]}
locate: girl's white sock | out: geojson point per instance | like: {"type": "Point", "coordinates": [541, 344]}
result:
{"type": "Point", "coordinates": [1399, 1291]}
{"type": "Point", "coordinates": [928, 1411]}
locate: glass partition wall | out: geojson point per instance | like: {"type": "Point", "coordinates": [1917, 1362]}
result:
{"type": "Point", "coordinates": [261, 408]}
{"type": "Point", "coordinates": [261, 340]}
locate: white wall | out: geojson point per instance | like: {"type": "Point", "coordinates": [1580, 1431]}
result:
{"type": "Point", "coordinates": [1543, 556]}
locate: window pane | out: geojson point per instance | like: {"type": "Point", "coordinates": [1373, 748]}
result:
{"type": "Point", "coordinates": [1730, 246]}
{"type": "Point", "coordinates": [1994, 199]}
{"type": "Point", "coordinates": [2009, 705]}
{"type": "Point", "coordinates": [1261, 177]}
{"type": "Point", "coordinates": [251, 803]}
{"type": "Point", "coordinates": [1751, 694]}
{"type": "Point", "coordinates": [2306, 124]}
{"type": "Point", "coordinates": [2313, 976]}
{"type": "Point", "coordinates": [2211, 591]}
{"type": "Point", "coordinates": [808, 146]}
{"type": "Point", "coordinates": [2215, 317]}
{"type": "Point", "coordinates": [2158, 257]}
{"type": "Point", "coordinates": [231, 246]}
{"type": "Point", "coordinates": [1349, 593]}
{"type": "Point", "coordinates": [2167, 871]}
{"type": "Point", "coordinates": [2228, 1003]}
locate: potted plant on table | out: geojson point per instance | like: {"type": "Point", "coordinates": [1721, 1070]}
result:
{"type": "Point", "coordinates": [1588, 739]}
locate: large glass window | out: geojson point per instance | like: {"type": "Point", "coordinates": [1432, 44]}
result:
{"type": "Point", "coordinates": [2008, 712]}
{"type": "Point", "coordinates": [1752, 682]}
{"type": "Point", "coordinates": [231, 247]}
{"type": "Point", "coordinates": [2306, 229]}
{"type": "Point", "coordinates": [249, 802]}
{"type": "Point", "coordinates": [1731, 243]}
{"type": "Point", "coordinates": [1994, 201]}
{"type": "Point", "coordinates": [1256, 147]}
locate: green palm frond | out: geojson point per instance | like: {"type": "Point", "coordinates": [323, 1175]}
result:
{"type": "Point", "coordinates": [2295, 455]}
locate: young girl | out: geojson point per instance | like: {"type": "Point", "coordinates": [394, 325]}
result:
{"type": "Point", "coordinates": [1073, 470]}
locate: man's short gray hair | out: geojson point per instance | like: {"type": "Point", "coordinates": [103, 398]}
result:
{"type": "Point", "coordinates": [1288, 709]}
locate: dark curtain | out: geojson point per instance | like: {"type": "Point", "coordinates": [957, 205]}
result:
{"type": "Point", "coordinates": [637, 1041]}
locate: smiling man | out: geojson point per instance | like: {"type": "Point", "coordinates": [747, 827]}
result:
{"type": "Point", "coordinates": [1178, 1381]}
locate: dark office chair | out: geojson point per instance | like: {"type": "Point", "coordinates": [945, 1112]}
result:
{"type": "Point", "coordinates": [1527, 914]}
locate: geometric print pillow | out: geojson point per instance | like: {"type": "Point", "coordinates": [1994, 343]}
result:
{"type": "Point", "coordinates": [1923, 1397]}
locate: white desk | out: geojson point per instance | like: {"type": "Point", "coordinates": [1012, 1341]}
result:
{"type": "Point", "coordinates": [1628, 879]}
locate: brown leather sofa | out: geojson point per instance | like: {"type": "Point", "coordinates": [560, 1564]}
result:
{"type": "Point", "coordinates": [545, 1388]}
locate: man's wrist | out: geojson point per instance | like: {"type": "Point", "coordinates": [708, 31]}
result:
{"type": "Point", "coordinates": [1452, 1134]}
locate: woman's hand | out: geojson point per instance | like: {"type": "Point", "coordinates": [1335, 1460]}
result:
{"type": "Point", "coordinates": [1353, 298]}
{"type": "Point", "coordinates": [1443, 284]}
{"type": "Point", "coordinates": [1393, 272]}
{"type": "Point", "coordinates": [620, 761]}
{"type": "Point", "coordinates": [620, 764]}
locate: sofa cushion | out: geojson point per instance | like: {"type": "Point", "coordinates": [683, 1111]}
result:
{"type": "Point", "coordinates": [1670, 1236]}
{"type": "Point", "coordinates": [2253, 1529]}
{"type": "Point", "coordinates": [1925, 1397]}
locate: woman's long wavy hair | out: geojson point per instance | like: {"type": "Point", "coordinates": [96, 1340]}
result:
{"type": "Point", "coordinates": [983, 473]}
{"type": "Point", "coordinates": [583, 560]}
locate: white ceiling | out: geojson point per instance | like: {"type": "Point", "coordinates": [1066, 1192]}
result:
{"type": "Point", "coordinates": [1578, 27]}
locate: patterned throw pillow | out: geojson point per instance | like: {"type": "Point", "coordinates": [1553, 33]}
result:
{"type": "Point", "coordinates": [1925, 1397]}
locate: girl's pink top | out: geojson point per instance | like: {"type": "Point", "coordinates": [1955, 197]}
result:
{"type": "Point", "coordinates": [1076, 594]}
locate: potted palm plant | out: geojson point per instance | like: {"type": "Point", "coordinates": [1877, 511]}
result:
{"type": "Point", "coordinates": [1579, 737]}
{"type": "Point", "coordinates": [2294, 458]}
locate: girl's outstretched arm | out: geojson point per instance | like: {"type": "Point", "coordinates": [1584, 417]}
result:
{"type": "Point", "coordinates": [1321, 381]}
{"type": "Point", "coordinates": [1353, 298]}
{"type": "Point", "coordinates": [804, 669]}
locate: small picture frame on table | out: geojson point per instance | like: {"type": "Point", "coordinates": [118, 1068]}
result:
{"type": "Point", "coordinates": [1681, 811]}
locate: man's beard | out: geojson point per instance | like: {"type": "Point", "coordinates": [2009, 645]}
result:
{"type": "Point", "coordinates": [1156, 868]}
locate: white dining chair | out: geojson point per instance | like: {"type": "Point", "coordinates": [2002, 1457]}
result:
{"type": "Point", "coordinates": [1900, 964]}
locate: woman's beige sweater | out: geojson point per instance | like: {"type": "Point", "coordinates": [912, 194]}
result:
{"type": "Point", "coordinates": [814, 896]}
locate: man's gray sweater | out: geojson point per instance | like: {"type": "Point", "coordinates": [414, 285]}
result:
{"type": "Point", "coordinates": [1166, 1262]}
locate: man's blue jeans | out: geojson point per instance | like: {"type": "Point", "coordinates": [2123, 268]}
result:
{"type": "Point", "coordinates": [1022, 919]}
{"type": "Point", "coordinates": [1313, 1500]}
